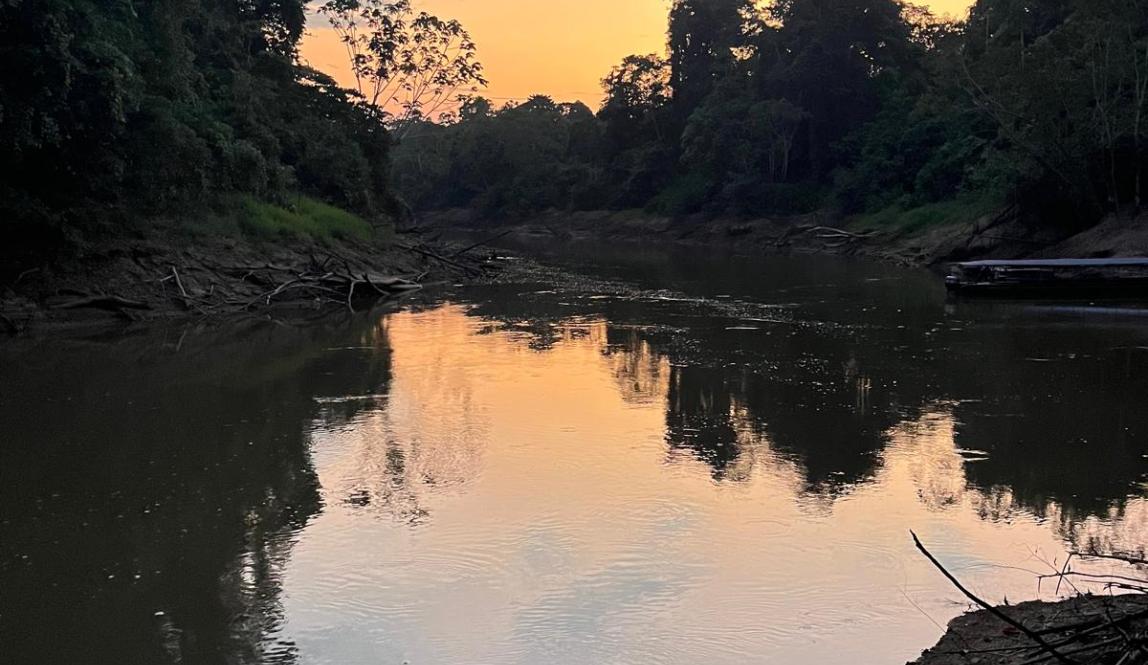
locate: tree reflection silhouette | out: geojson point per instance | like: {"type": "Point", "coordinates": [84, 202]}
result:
{"type": "Point", "coordinates": [1051, 412]}
{"type": "Point", "coordinates": [152, 491]}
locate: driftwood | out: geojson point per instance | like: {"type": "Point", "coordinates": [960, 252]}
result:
{"type": "Point", "coordinates": [113, 303]}
{"type": "Point", "coordinates": [476, 245]}
{"type": "Point", "coordinates": [322, 283]}
{"type": "Point", "coordinates": [438, 257]}
{"type": "Point", "coordinates": [833, 233]}
{"type": "Point", "coordinates": [825, 233]}
{"type": "Point", "coordinates": [203, 285]}
{"type": "Point", "coordinates": [343, 287]}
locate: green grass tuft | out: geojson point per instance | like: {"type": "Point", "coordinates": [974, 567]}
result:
{"type": "Point", "coordinates": [963, 209]}
{"type": "Point", "coordinates": [304, 217]}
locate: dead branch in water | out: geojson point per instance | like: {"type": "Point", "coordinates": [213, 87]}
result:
{"type": "Point", "coordinates": [1135, 560]}
{"type": "Point", "coordinates": [114, 303]}
{"type": "Point", "coordinates": [1031, 634]}
{"type": "Point", "coordinates": [476, 245]}
{"type": "Point", "coordinates": [438, 257]}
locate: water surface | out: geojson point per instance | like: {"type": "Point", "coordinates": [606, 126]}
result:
{"type": "Point", "coordinates": [676, 459]}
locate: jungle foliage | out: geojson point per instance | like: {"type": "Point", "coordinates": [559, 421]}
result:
{"type": "Point", "coordinates": [113, 111]}
{"type": "Point", "coordinates": [865, 106]}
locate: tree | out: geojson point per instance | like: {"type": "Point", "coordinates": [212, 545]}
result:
{"type": "Point", "coordinates": [407, 65]}
{"type": "Point", "coordinates": [782, 120]}
{"type": "Point", "coordinates": [116, 112]}
{"type": "Point", "coordinates": [705, 39]}
{"type": "Point", "coordinates": [637, 90]}
{"type": "Point", "coordinates": [826, 57]}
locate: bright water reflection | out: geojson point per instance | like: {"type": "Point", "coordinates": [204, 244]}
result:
{"type": "Point", "coordinates": [577, 472]}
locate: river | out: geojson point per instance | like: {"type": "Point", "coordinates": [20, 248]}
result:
{"type": "Point", "coordinates": [676, 457]}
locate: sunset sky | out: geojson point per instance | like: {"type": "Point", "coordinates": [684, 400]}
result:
{"type": "Point", "coordinates": [560, 48]}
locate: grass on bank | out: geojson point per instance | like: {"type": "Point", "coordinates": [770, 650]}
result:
{"type": "Point", "coordinates": [963, 209]}
{"type": "Point", "coordinates": [296, 217]}
{"type": "Point", "coordinates": [301, 217]}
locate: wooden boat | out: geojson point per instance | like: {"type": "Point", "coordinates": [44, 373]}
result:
{"type": "Point", "coordinates": [1050, 277]}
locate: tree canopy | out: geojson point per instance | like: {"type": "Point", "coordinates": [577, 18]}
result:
{"type": "Point", "coordinates": [854, 105]}
{"type": "Point", "coordinates": [113, 110]}
{"type": "Point", "coordinates": [116, 108]}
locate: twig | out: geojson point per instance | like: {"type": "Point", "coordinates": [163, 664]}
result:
{"type": "Point", "coordinates": [103, 302]}
{"type": "Point", "coordinates": [1032, 635]}
{"type": "Point", "coordinates": [1126, 558]}
{"type": "Point", "coordinates": [22, 275]}
{"type": "Point", "coordinates": [1096, 576]}
{"type": "Point", "coordinates": [1064, 656]}
{"type": "Point", "coordinates": [1112, 623]}
{"type": "Point", "coordinates": [179, 283]}
{"type": "Point", "coordinates": [1063, 570]}
{"type": "Point", "coordinates": [350, 295]}
{"type": "Point", "coordinates": [268, 296]}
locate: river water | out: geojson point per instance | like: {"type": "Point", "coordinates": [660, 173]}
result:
{"type": "Point", "coordinates": [677, 458]}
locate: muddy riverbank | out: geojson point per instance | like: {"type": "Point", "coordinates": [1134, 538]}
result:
{"type": "Point", "coordinates": [131, 280]}
{"type": "Point", "coordinates": [1091, 629]}
{"type": "Point", "coordinates": [999, 234]}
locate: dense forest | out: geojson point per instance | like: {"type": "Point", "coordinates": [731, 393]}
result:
{"type": "Point", "coordinates": [116, 113]}
{"type": "Point", "coordinates": [869, 107]}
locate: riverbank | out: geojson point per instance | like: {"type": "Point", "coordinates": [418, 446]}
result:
{"type": "Point", "coordinates": [906, 240]}
{"type": "Point", "coordinates": [1095, 628]}
{"type": "Point", "coordinates": [166, 275]}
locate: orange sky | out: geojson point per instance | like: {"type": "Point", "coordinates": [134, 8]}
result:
{"type": "Point", "coordinates": [561, 48]}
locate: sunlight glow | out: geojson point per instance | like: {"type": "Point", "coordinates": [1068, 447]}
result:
{"type": "Point", "coordinates": [561, 48]}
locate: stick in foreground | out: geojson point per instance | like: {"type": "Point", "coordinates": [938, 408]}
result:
{"type": "Point", "coordinates": [1032, 635]}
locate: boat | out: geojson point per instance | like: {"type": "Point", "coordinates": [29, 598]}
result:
{"type": "Point", "coordinates": [1050, 277]}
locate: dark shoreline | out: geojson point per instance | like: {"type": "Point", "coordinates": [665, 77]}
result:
{"type": "Point", "coordinates": [993, 236]}
{"type": "Point", "coordinates": [127, 281]}
{"type": "Point", "coordinates": [978, 638]}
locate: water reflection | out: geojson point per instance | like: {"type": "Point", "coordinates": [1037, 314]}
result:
{"type": "Point", "coordinates": [1046, 401]}
{"type": "Point", "coordinates": [153, 487]}
{"type": "Point", "coordinates": [565, 472]}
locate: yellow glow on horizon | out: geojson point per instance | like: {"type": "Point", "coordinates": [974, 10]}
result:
{"type": "Point", "coordinates": [561, 48]}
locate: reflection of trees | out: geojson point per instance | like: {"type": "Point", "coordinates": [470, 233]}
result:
{"type": "Point", "coordinates": [1047, 416]}
{"type": "Point", "coordinates": [430, 435]}
{"type": "Point", "coordinates": [150, 496]}
{"type": "Point", "coordinates": [1123, 528]}
{"type": "Point", "coordinates": [637, 368]}
{"type": "Point", "coordinates": [1059, 419]}
{"type": "Point", "coordinates": [1043, 415]}
{"type": "Point", "coordinates": [698, 416]}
